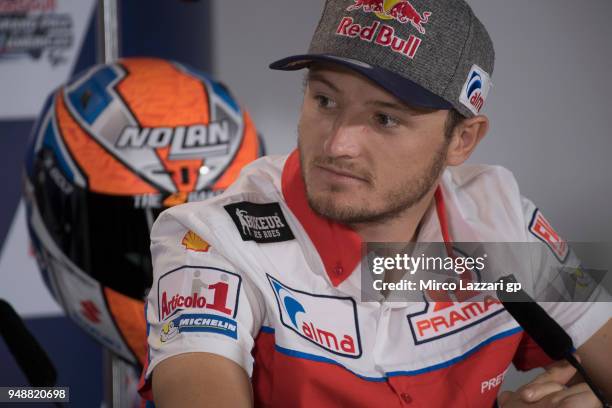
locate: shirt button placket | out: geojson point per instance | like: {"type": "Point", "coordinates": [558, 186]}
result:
{"type": "Point", "coordinates": [406, 398]}
{"type": "Point", "coordinates": [338, 270]}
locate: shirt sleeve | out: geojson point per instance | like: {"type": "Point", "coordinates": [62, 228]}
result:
{"type": "Point", "coordinates": [557, 274]}
{"type": "Point", "coordinates": [199, 301]}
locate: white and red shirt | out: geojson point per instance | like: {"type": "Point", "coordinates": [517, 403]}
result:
{"type": "Point", "coordinates": [256, 276]}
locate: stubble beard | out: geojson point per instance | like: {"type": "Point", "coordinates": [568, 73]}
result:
{"type": "Point", "coordinates": [398, 199]}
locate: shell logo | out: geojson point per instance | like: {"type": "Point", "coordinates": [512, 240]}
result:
{"type": "Point", "coordinates": [193, 242]}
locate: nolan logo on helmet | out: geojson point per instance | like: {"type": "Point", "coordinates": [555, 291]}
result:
{"type": "Point", "coordinates": [185, 142]}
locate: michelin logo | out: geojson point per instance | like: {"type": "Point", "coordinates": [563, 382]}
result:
{"type": "Point", "coordinates": [476, 89]}
{"type": "Point", "coordinates": [199, 323]}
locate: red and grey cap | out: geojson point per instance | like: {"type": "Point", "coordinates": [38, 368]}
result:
{"type": "Point", "coordinates": [427, 53]}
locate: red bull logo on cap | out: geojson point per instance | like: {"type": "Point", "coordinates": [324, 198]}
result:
{"type": "Point", "coordinates": [383, 34]}
{"type": "Point", "coordinates": [380, 34]}
{"type": "Point", "coordinates": [399, 10]}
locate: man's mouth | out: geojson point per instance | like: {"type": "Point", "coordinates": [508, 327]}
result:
{"type": "Point", "coordinates": [340, 174]}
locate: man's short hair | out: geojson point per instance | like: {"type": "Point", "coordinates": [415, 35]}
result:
{"type": "Point", "coordinates": [453, 119]}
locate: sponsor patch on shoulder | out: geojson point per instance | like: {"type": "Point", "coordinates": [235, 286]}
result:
{"type": "Point", "coordinates": [541, 229]}
{"type": "Point", "coordinates": [207, 289]}
{"type": "Point", "coordinates": [261, 223]}
{"type": "Point", "coordinates": [193, 242]}
{"type": "Point", "coordinates": [198, 323]}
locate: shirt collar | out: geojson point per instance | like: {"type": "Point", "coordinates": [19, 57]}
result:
{"type": "Point", "coordinates": [340, 247]}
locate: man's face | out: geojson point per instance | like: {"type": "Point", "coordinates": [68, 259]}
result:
{"type": "Point", "coordinates": [365, 156]}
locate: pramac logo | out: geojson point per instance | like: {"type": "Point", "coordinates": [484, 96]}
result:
{"type": "Point", "coordinates": [541, 229]}
{"type": "Point", "coordinates": [447, 313]}
{"type": "Point", "coordinates": [309, 316]}
{"type": "Point", "coordinates": [442, 319]}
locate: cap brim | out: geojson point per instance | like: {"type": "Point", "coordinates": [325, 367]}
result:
{"type": "Point", "coordinates": [402, 88]}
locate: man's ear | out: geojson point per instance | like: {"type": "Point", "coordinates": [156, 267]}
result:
{"type": "Point", "coordinates": [466, 136]}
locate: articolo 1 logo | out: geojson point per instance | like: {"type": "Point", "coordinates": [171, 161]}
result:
{"type": "Point", "coordinates": [202, 289]}
{"type": "Point", "coordinates": [308, 315]}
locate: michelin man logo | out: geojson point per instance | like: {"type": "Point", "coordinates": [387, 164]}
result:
{"type": "Point", "coordinates": [169, 330]}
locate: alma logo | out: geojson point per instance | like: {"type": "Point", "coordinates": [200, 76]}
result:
{"type": "Point", "coordinates": [476, 89]}
{"type": "Point", "coordinates": [309, 316]}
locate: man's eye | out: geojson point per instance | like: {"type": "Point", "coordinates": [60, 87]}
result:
{"type": "Point", "coordinates": [324, 102]}
{"type": "Point", "coordinates": [385, 121]}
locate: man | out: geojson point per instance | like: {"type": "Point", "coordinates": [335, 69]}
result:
{"type": "Point", "coordinates": [257, 293]}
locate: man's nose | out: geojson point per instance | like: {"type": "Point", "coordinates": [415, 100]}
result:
{"type": "Point", "coordinates": [345, 138]}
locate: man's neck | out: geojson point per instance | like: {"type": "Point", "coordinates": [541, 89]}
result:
{"type": "Point", "coordinates": [402, 228]}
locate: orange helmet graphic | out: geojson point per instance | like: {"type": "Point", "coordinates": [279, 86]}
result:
{"type": "Point", "coordinates": [112, 149]}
